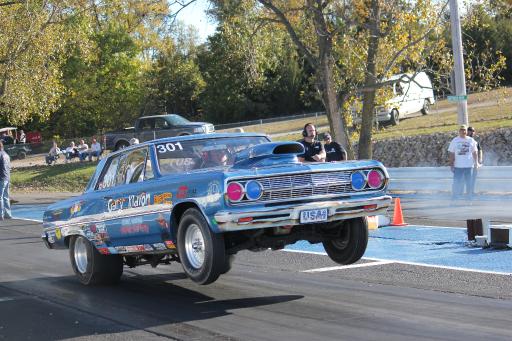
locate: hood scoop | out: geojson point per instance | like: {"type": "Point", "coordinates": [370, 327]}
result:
{"type": "Point", "coordinates": [268, 154]}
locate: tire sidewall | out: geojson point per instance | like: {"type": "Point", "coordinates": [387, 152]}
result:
{"type": "Point", "coordinates": [395, 117]}
{"type": "Point", "coordinates": [214, 250]}
{"type": "Point", "coordinates": [426, 107]}
{"type": "Point", "coordinates": [357, 243]}
{"type": "Point", "coordinates": [84, 278]}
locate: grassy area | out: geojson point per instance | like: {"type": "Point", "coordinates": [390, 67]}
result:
{"type": "Point", "coordinates": [71, 177]}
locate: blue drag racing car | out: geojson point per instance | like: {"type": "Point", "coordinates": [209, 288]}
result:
{"type": "Point", "coordinates": [200, 199]}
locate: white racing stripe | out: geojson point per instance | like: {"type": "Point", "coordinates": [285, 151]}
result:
{"type": "Point", "coordinates": [352, 266]}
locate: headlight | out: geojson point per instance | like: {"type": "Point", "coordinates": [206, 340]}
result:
{"type": "Point", "coordinates": [235, 191]}
{"type": "Point", "coordinates": [358, 180]}
{"type": "Point", "coordinates": [199, 130]}
{"type": "Point", "coordinates": [253, 190]}
{"type": "Point", "coordinates": [375, 179]}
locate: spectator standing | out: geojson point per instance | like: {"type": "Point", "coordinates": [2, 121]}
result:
{"type": "Point", "coordinates": [333, 150]}
{"type": "Point", "coordinates": [480, 157]}
{"type": "Point", "coordinates": [5, 178]}
{"type": "Point", "coordinates": [6, 138]}
{"type": "Point", "coordinates": [463, 158]}
{"type": "Point", "coordinates": [83, 149]}
{"type": "Point", "coordinates": [71, 151]}
{"type": "Point", "coordinates": [22, 137]}
{"type": "Point", "coordinates": [313, 150]}
{"type": "Point", "coordinates": [95, 149]}
{"type": "Point", "coordinates": [53, 154]}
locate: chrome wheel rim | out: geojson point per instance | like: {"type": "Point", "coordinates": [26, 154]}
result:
{"type": "Point", "coordinates": [194, 246]}
{"type": "Point", "coordinates": [80, 253]}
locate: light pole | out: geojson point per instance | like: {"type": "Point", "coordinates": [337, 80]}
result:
{"type": "Point", "coordinates": [458, 58]}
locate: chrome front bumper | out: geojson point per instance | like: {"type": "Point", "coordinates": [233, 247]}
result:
{"type": "Point", "coordinates": [289, 215]}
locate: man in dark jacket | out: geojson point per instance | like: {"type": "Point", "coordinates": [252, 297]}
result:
{"type": "Point", "coordinates": [5, 178]}
{"type": "Point", "coordinates": [313, 150]}
{"type": "Point", "coordinates": [333, 150]}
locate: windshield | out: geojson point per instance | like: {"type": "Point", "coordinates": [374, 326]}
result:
{"type": "Point", "coordinates": [176, 120]}
{"type": "Point", "coordinates": [184, 156]}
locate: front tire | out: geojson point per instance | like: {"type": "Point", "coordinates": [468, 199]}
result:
{"type": "Point", "coordinates": [351, 244]}
{"type": "Point", "coordinates": [395, 117]}
{"type": "Point", "coordinates": [90, 266]}
{"type": "Point", "coordinates": [426, 107]}
{"type": "Point", "coordinates": [202, 252]}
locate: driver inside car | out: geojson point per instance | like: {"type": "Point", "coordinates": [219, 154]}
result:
{"type": "Point", "coordinates": [215, 156]}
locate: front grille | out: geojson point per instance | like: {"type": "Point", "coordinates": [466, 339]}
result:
{"type": "Point", "coordinates": [299, 186]}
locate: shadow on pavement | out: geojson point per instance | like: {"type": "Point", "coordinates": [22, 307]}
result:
{"type": "Point", "coordinates": [60, 307]}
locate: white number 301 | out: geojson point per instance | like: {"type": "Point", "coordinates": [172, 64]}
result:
{"type": "Point", "coordinates": [169, 147]}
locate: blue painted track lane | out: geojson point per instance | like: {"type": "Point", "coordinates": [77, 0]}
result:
{"type": "Point", "coordinates": [435, 246]}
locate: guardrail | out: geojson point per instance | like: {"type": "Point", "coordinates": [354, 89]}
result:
{"type": "Point", "coordinates": [490, 180]}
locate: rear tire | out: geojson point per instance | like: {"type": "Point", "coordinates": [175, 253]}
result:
{"type": "Point", "coordinates": [350, 246]}
{"type": "Point", "coordinates": [202, 252]}
{"type": "Point", "coordinates": [395, 117]}
{"type": "Point", "coordinates": [426, 107]}
{"type": "Point", "coordinates": [91, 267]}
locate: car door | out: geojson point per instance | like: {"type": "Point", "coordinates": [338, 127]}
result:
{"type": "Point", "coordinates": [163, 128]}
{"type": "Point", "coordinates": [136, 208]}
{"type": "Point", "coordinates": [147, 129]}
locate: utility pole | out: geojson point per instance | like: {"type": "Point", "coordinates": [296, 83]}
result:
{"type": "Point", "coordinates": [458, 58]}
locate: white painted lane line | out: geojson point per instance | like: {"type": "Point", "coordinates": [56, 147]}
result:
{"type": "Point", "coordinates": [352, 266]}
{"type": "Point", "coordinates": [36, 220]}
{"type": "Point", "coordinates": [309, 252]}
{"type": "Point", "coordinates": [5, 299]}
{"type": "Point", "coordinates": [445, 267]}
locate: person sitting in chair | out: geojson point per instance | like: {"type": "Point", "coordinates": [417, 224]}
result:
{"type": "Point", "coordinates": [71, 152]}
{"type": "Point", "coordinates": [53, 154]}
{"type": "Point", "coordinates": [95, 149]}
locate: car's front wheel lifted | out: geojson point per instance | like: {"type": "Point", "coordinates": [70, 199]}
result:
{"type": "Point", "coordinates": [90, 266]}
{"type": "Point", "coordinates": [349, 246]}
{"type": "Point", "coordinates": [202, 252]}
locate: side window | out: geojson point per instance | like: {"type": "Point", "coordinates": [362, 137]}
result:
{"type": "Point", "coordinates": [108, 178]}
{"type": "Point", "coordinates": [131, 167]}
{"type": "Point", "coordinates": [148, 174]}
{"type": "Point", "coordinates": [147, 124]}
{"type": "Point", "coordinates": [398, 89]}
{"type": "Point", "coordinates": [160, 123]}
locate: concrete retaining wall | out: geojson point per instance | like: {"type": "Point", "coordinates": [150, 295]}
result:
{"type": "Point", "coordinates": [432, 150]}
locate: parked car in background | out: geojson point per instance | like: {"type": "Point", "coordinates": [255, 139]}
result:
{"type": "Point", "coordinates": [16, 150]}
{"type": "Point", "coordinates": [200, 199]}
{"type": "Point", "coordinates": [410, 94]}
{"type": "Point", "coordinates": [154, 127]}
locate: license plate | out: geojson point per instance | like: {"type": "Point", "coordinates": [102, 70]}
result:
{"type": "Point", "coordinates": [313, 216]}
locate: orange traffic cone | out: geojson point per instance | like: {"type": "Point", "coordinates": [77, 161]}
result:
{"type": "Point", "coordinates": [398, 218]}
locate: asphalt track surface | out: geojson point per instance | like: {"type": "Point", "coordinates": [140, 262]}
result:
{"type": "Point", "coordinates": [267, 296]}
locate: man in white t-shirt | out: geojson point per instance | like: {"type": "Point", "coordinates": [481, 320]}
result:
{"type": "Point", "coordinates": [95, 149]}
{"type": "Point", "coordinates": [82, 150]}
{"type": "Point", "coordinates": [463, 158]}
